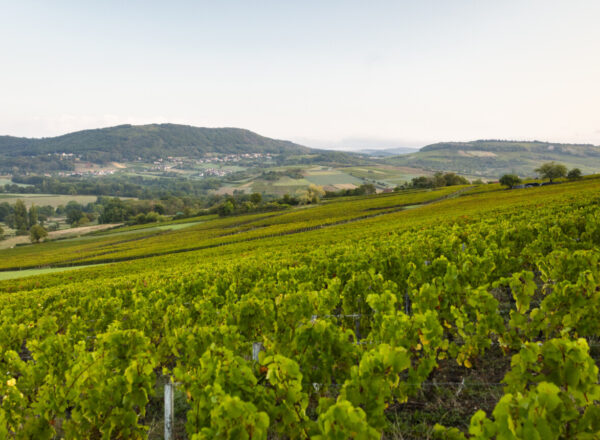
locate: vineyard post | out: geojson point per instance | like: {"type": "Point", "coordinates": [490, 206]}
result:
{"type": "Point", "coordinates": [407, 307]}
{"type": "Point", "coordinates": [357, 327]}
{"type": "Point", "coordinates": [256, 348]}
{"type": "Point", "coordinates": [169, 410]}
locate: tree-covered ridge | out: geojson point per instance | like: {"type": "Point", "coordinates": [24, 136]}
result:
{"type": "Point", "coordinates": [493, 158]}
{"type": "Point", "coordinates": [149, 141]}
{"type": "Point", "coordinates": [524, 146]}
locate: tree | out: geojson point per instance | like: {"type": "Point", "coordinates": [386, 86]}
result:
{"type": "Point", "coordinates": [256, 198]}
{"type": "Point", "coordinates": [574, 174]}
{"type": "Point", "coordinates": [366, 188]}
{"type": "Point", "coordinates": [114, 211]}
{"type": "Point", "coordinates": [439, 179]}
{"type": "Point", "coordinates": [226, 209]}
{"type": "Point", "coordinates": [84, 220]}
{"type": "Point", "coordinates": [552, 170]}
{"type": "Point", "coordinates": [5, 211]}
{"type": "Point", "coordinates": [33, 215]}
{"type": "Point", "coordinates": [451, 179]}
{"type": "Point", "coordinates": [1, 233]}
{"type": "Point", "coordinates": [73, 216]}
{"type": "Point", "coordinates": [36, 233]}
{"type": "Point", "coordinates": [422, 182]}
{"type": "Point", "coordinates": [313, 193]}
{"type": "Point", "coordinates": [289, 200]}
{"type": "Point", "coordinates": [20, 217]}
{"type": "Point", "coordinates": [510, 180]}
{"type": "Point", "coordinates": [159, 208]}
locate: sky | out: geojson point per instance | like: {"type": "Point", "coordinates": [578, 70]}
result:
{"type": "Point", "coordinates": [338, 74]}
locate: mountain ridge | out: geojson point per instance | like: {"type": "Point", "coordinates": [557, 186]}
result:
{"type": "Point", "coordinates": [150, 141]}
{"type": "Point", "coordinates": [395, 151]}
{"type": "Point", "coordinates": [492, 158]}
{"type": "Point", "coordinates": [498, 143]}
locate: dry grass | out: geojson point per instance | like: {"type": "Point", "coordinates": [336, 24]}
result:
{"type": "Point", "coordinates": [54, 235]}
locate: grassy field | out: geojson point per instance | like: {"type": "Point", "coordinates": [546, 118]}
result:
{"type": "Point", "coordinates": [391, 175]}
{"type": "Point", "coordinates": [46, 199]}
{"type": "Point", "coordinates": [82, 232]}
{"type": "Point", "coordinates": [8, 181]}
{"type": "Point", "coordinates": [280, 187]}
{"type": "Point", "coordinates": [288, 181]}
{"type": "Point", "coordinates": [330, 178]}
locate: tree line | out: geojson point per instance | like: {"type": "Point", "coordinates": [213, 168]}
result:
{"type": "Point", "coordinates": [38, 220]}
{"type": "Point", "coordinates": [25, 221]}
{"type": "Point", "coordinates": [438, 180]}
{"type": "Point", "coordinates": [549, 170]}
{"type": "Point", "coordinates": [119, 186]}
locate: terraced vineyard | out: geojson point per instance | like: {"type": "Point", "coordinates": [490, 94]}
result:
{"type": "Point", "coordinates": [149, 241]}
{"type": "Point", "coordinates": [471, 315]}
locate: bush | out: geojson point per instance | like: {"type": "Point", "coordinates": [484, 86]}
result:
{"type": "Point", "coordinates": [150, 217]}
{"type": "Point", "coordinates": [81, 222]}
{"type": "Point", "coordinates": [510, 180]}
{"type": "Point", "coordinates": [37, 233]}
{"type": "Point", "coordinates": [551, 171]}
{"type": "Point", "coordinates": [574, 174]}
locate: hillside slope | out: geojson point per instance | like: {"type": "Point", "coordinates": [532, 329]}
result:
{"type": "Point", "coordinates": [371, 304]}
{"type": "Point", "coordinates": [148, 142]}
{"type": "Point", "coordinates": [491, 158]}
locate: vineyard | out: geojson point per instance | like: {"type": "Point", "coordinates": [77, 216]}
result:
{"type": "Point", "coordinates": [473, 314]}
{"type": "Point", "coordinates": [138, 243]}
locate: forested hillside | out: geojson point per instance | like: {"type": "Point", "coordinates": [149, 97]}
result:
{"type": "Point", "coordinates": [493, 158]}
{"type": "Point", "coordinates": [149, 141]}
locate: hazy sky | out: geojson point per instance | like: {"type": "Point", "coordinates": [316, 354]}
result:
{"type": "Point", "coordinates": [324, 73]}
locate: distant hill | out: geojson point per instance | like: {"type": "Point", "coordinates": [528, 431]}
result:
{"type": "Point", "coordinates": [386, 152]}
{"type": "Point", "coordinates": [149, 141]}
{"type": "Point", "coordinates": [492, 158]}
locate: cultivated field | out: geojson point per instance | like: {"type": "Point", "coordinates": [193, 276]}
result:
{"type": "Point", "coordinates": [475, 309]}
{"type": "Point", "coordinates": [55, 235]}
{"type": "Point", "coordinates": [45, 199]}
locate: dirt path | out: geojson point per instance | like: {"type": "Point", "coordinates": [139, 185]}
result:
{"type": "Point", "coordinates": [72, 232]}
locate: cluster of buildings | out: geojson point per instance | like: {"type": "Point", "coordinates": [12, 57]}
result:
{"type": "Point", "coordinates": [102, 172]}
{"type": "Point", "coordinates": [213, 172]}
{"type": "Point", "coordinates": [235, 157]}
{"type": "Point", "coordinates": [169, 163]}
{"type": "Point", "coordinates": [64, 156]}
